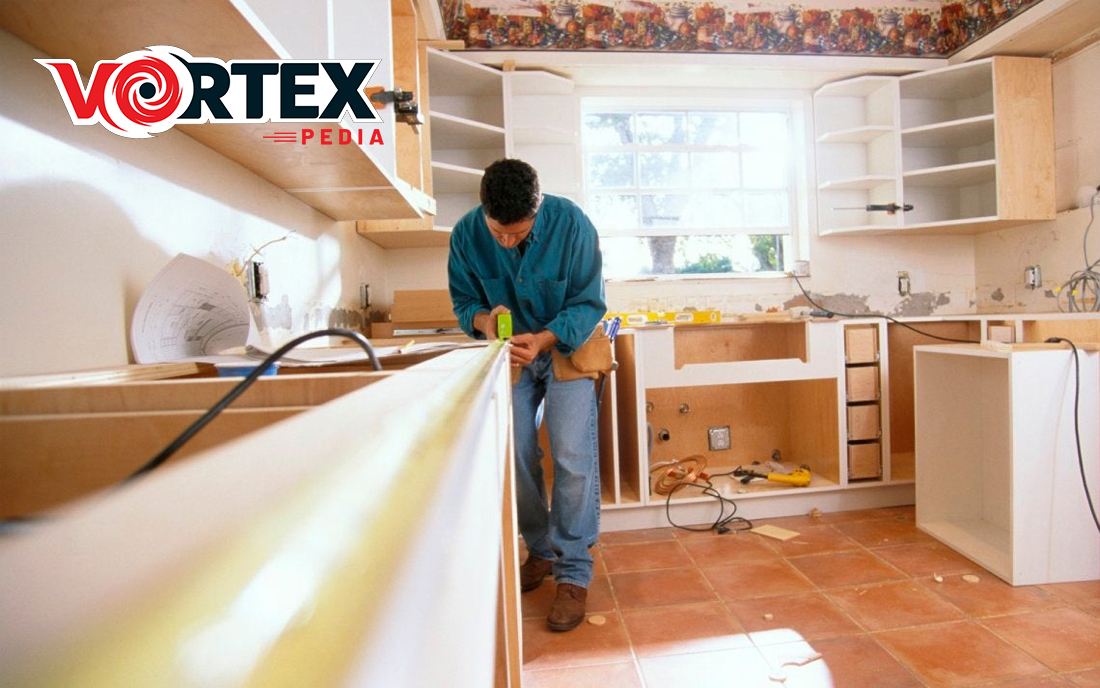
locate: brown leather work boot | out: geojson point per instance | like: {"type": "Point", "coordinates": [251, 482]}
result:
{"type": "Point", "coordinates": [532, 572]}
{"type": "Point", "coordinates": [568, 609]}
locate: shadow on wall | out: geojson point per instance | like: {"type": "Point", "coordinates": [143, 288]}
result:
{"type": "Point", "coordinates": [72, 268]}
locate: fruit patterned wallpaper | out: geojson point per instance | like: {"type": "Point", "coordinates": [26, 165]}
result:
{"type": "Point", "coordinates": [829, 27]}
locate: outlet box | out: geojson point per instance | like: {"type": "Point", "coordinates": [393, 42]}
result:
{"type": "Point", "coordinates": [718, 437]}
{"type": "Point", "coordinates": [1033, 277]}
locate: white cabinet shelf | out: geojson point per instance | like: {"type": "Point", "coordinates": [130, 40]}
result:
{"type": "Point", "coordinates": [341, 181]}
{"type": "Point", "coordinates": [997, 466]}
{"type": "Point", "coordinates": [970, 147]}
{"type": "Point", "coordinates": [543, 131]}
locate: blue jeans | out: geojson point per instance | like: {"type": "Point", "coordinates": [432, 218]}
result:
{"type": "Point", "coordinates": [564, 530]}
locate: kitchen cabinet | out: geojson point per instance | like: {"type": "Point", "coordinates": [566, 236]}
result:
{"type": "Point", "coordinates": [837, 396]}
{"type": "Point", "coordinates": [998, 477]}
{"type": "Point", "coordinates": [345, 182]}
{"type": "Point", "coordinates": [466, 119]}
{"type": "Point", "coordinates": [279, 520]}
{"type": "Point", "coordinates": [969, 147]}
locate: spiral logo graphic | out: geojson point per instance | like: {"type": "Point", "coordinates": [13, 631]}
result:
{"type": "Point", "coordinates": [149, 91]}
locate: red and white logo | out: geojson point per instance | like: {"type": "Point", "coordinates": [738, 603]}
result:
{"type": "Point", "coordinates": [149, 91]}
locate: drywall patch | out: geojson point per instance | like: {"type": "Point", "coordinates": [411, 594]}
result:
{"type": "Point", "coordinates": [923, 303]}
{"type": "Point", "coordinates": [850, 304]}
{"type": "Point", "coordinates": [346, 318]}
{"type": "Point", "coordinates": [278, 317]}
{"type": "Point", "coordinates": [997, 295]}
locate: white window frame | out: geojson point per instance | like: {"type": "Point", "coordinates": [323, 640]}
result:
{"type": "Point", "coordinates": [796, 104]}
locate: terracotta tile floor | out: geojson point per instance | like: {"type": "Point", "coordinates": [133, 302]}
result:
{"type": "Point", "coordinates": [695, 610]}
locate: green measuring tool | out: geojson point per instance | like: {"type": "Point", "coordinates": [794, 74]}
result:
{"type": "Point", "coordinates": [504, 326]}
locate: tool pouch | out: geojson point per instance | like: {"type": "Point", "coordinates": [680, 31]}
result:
{"type": "Point", "coordinates": [592, 359]}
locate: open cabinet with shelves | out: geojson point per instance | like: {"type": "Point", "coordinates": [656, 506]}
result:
{"type": "Point", "coordinates": [973, 149]}
{"type": "Point", "coordinates": [543, 131]}
{"type": "Point", "coordinates": [856, 130]}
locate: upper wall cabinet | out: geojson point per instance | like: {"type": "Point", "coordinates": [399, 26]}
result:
{"type": "Point", "coordinates": [341, 181]}
{"type": "Point", "coordinates": [970, 148]}
{"type": "Point", "coordinates": [544, 117]}
{"type": "Point", "coordinates": [466, 131]}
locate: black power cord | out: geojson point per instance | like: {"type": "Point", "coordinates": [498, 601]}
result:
{"type": "Point", "coordinates": [1077, 424]}
{"type": "Point", "coordinates": [830, 313]}
{"type": "Point", "coordinates": [722, 523]}
{"type": "Point", "coordinates": [244, 384]}
{"type": "Point", "coordinates": [16, 523]}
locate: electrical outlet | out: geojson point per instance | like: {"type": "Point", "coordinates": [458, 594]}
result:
{"type": "Point", "coordinates": [903, 283]}
{"type": "Point", "coordinates": [718, 437]}
{"type": "Point", "coordinates": [1033, 277]}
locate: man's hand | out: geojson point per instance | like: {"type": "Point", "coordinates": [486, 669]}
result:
{"type": "Point", "coordinates": [486, 323]}
{"type": "Point", "coordinates": [526, 346]}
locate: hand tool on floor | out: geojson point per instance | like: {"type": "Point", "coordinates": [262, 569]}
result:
{"type": "Point", "coordinates": [799, 477]}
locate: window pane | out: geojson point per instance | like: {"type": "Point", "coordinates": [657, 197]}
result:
{"type": "Point", "coordinates": [764, 170]}
{"type": "Point", "coordinates": [613, 211]}
{"type": "Point", "coordinates": [671, 255]}
{"type": "Point", "coordinates": [716, 210]}
{"type": "Point", "coordinates": [611, 170]}
{"type": "Point", "coordinates": [608, 129]}
{"type": "Point", "coordinates": [663, 169]}
{"type": "Point", "coordinates": [661, 129]}
{"type": "Point", "coordinates": [712, 170]}
{"type": "Point", "coordinates": [765, 129]}
{"type": "Point", "coordinates": [766, 209]}
{"type": "Point", "coordinates": [713, 129]}
{"type": "Point", "coordinates": [665, 210]}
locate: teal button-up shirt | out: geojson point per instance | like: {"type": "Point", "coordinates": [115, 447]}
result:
{"type": "Point", "coordinates": [556, 284]}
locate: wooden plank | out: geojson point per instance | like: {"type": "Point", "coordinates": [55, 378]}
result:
{"type": "Point", "coordinates": [46, 461]}
{"type": "Point", "coordinates": [423, 308]}
{"type": "Point", "coordinates": [176, 395]}
{"type": "Point", "coordinates": [750, 342]}
{"type": "Point", "coordinates": [864, 461]}
{"type": "Point", "coordinates": [1022, 102]}
{"type": "Point", "coordinates": [626, 381]}
{"type": "Point", "coordinates": [1078, 331]}
{"type": "Point", "coordinates": [900, 341]}
{"type": "Point", "coordinates": [815, 427]}
{"type": "Point", "coordinates": [127, 373]}
{"type": "Point", "coordinates": [406, 76]}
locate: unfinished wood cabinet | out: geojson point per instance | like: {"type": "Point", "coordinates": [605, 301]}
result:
{"type": "Point", "coordinates": [345, 182]}
{"type": "Point", "coordinates": [862, 377]}
{"type": "Point", "coordinates": [970, 147]}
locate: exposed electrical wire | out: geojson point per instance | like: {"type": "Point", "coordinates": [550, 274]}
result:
{"type": "Point", "coordinates": [875, 315]}
{"type": "Point", "coordinates": [681, 474]}
{"type": "Point", "coordinates": [1083, 286]}
{"type": "Point", "coordinates": [244, 384]}
{"type": "Point", "coordinates": [1077, 426]}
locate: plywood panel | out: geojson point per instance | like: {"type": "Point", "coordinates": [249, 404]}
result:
{"type": "Point", "coordinates": [750, 342]}
{"type": "Point", "coordinates": [861, 344]}
{"type": "Point", "coordinates": [1077, 331]}
{"type": "Point", "coordinates": [799, 419]}
{"type": "Point", "coordinates": [900, 343]}
{"type": "Point", "coordinates": [1023, 97]}
{"type": "Point", "coordinates": [423, 308]}
{"type": "Point", "coordinates": [177, 395]}
{"type": "Point", "coordinates": [863, 422]}
{"type": "Point", "coordinates": [864, 461]}
{"type": "Point", "coordinates": [626, 381]}
{"type": "Point", "coordinates": [862, 383]}
{"type": "Point", "coordinates": [46, 461]}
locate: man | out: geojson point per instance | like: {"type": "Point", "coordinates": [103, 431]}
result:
{"type": "Point", "coordinates": [538, 258]}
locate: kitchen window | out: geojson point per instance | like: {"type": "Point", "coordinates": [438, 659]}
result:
{"type": "Point", "coordinates": [692, 191]}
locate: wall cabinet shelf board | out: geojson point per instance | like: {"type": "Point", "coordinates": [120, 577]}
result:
{"type": "Point", "coordinates": [449, 131]}
{"type": "Point", "coordinates": [456, 76]}
{"type": "Point", "coordinates": [868, 182]}
{"type": "Point", "coordinates": [455, 179]}
{"type": "Point", "coordinates": [949, 83]}
{"type": "Point", "coordinates": [954, 134]}
{"type": "Point", "coordinates": [856, 134]}
{"type": "Point", "coordinates": [860, 87]}
{"type": "Point", "coordinates": [88, 31]}
{"type": "Point", "coordinates": [965, 174]}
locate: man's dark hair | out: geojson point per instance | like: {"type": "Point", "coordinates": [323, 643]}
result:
{"type": "Point", "coordinates": [510, 191]}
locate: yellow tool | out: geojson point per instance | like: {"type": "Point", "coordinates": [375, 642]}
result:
{"type": "Point", "coordinates": [504, 326]}
{"type": "Point", "coordinates": [799, 477]}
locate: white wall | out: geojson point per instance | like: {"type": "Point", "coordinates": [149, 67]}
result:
{"type": "Point", "coordinates": [87, 219]}
{"type": "Point", "coordinates": [1056, 246]}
